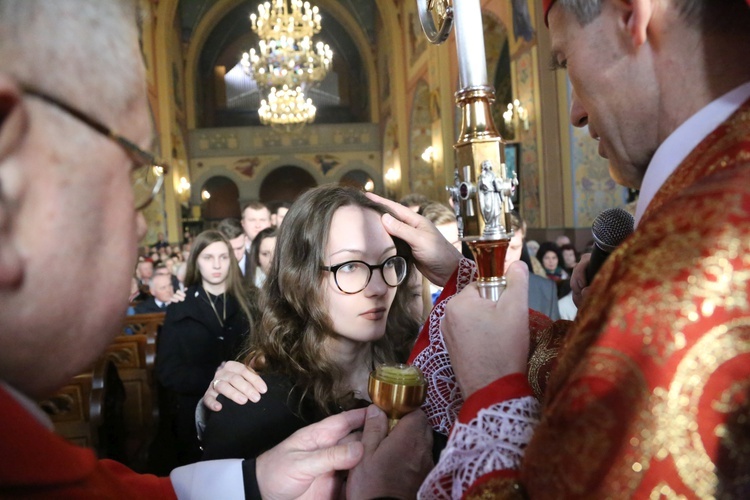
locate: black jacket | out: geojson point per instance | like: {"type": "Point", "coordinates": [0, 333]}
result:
{"type": "Point", "coordinates": [147, 306]}
{"type": "Point", "coordinates": [192, 342]}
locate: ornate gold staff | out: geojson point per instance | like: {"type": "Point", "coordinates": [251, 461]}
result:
{"type": "Point", "coordinates": [482, 189]}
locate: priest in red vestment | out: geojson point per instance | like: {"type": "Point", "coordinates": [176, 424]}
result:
{"type": "Point", "coordinates": [649, 397]}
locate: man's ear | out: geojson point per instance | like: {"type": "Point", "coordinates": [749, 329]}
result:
{"type": "Point", "coordinates": [637, 18]}
{"type": "Point", "coordinates": [13, 126]}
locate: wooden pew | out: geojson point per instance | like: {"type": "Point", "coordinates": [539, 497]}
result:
{"type": "Point", "coordinates": [146, 324]}
{"type": "Point", "coordinates": [88, 410]}
{"type": "Point", "coordinates": [134, 357]}
{"type": "Point", "coordinates": [143, 407]}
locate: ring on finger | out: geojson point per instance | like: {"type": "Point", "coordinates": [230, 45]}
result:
{"type": "Point", "coordinates": [215, 382]}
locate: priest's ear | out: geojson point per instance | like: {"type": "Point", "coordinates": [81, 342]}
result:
{"type": "Point", "coordinates": [635, 17]}
{"type": "Point", "coordinates": [13, 127]}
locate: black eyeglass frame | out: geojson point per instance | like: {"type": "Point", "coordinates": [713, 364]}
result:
{"type": "Point", "coordinates": [334, 270]}
{"type": "Point", "coordinates": [138, 156]}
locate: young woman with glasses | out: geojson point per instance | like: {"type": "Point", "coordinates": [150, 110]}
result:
{"type": "Point", "coordinates": [332, 309]}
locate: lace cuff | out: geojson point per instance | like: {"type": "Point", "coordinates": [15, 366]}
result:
{"type": "Point", "coordinates": [444, 400]}
{"type": "Point", "coordinates": [493, 441]}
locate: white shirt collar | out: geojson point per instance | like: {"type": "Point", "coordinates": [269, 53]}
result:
{"type": "Point", "coordinates": [683, 140]}
{"type": "Point", "coordinates": [241, 262]}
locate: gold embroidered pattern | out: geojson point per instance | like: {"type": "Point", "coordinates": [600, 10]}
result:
{"type": "Point", "coordinates": [680, 408]}
{"type": "Point", "coordinates": [497, 487]}
{"type": "Point", "coordinates": [653, 384]}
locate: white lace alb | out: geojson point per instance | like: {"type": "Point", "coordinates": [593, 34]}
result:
{"type": "Point", "coordinates": [494, 440]}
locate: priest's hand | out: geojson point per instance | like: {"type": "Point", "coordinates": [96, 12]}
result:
{"type": "Point", "coordinates": [436, 257]}
{"type": "Point", "coordinates": [578, 282]}
{"type": "Point", "coordinates": [487, 340]}
{"type": "Point", "coordinates": [394, 465]}
{"type": "Point", "coordinates": [305, 464]}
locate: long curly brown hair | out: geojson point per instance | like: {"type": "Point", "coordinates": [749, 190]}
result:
{"type": "Point", "coordinates": [295, 323]}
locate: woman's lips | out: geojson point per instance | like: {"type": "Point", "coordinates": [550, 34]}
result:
{"type": "Point", "coordinates": [374, 314]}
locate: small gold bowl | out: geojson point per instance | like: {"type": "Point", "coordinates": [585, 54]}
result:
{"type": "Point", "coordinates": [397, 389]}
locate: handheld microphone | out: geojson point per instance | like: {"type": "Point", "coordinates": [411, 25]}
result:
{"type": "Point", "coordinates": [610, 228]}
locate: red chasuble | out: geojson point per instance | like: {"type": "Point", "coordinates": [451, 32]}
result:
{"type": "Point", "coordinates": [35, 463]}
{"type": "Point", "coordinates": [650, 395]}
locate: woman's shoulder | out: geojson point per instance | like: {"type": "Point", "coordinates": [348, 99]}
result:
{"type": "Point", "coordinates": [244, 431]}
{"type": "Point", "coordinates": [280, 397]}
{"type": "Point", "coordinates": [188, 307]}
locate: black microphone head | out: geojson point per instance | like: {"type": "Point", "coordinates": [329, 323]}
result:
{"type": "Point", "coordinates": [611, 227]}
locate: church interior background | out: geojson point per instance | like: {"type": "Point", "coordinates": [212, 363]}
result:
{"type": "Point", "coordinates": [386, 115]}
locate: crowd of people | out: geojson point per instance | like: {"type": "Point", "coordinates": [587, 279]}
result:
{"type": "Point", "coordinates": [644, 395]}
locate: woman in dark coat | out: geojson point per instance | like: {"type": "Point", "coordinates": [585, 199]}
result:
{"type": "Point", "coordinates": [199, 334]}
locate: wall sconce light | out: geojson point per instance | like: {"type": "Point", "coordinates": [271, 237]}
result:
{"type": "Point", "coordinates": [369, 185]}
{"type": "Point", "coordinates": [205, 195]}
{"type": "Point", "coordinates": [514, 116]}
{"type": "Point", "coordinates": [184, 186]}
{"type": "Point", "coordinates": [391, 176]}
{"type": "Point", "coordinates": [428, 155]}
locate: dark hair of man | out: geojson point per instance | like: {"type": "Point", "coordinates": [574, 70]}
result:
{"type": "Point", "coordinates": [231, 228]}
{"type": "Point", "coordinates": [252, 265]}
{"type": "Point", "coordinates": [295, 324]}
{"type": "Point", "coordinates": [281, 204]}
{"type": "Point", "coordinates": [235, 286]}
{"type": "Point", "coordinates": [255, 205]}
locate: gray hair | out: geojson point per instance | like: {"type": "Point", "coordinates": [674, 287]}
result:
{"type": "Point", "coordinates": [585, 11]}
{"type": "Point", "coordinates": [711, 15]}
{"type": "Point", "coordinates": [80, 51]}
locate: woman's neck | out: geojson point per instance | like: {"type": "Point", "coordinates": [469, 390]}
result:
{"type": "Point", "coordinates": [355, 361]}
{"type": "Point", "coordinates": [214, 289]}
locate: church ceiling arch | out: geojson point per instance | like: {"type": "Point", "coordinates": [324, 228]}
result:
{"type": "Point", "coordinates": [209, 27]}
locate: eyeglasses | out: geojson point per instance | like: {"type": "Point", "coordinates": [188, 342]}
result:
{"type": "Point", "coordinates": [147, 174]}
{"type": "Point", "coordinates": [353, 276]}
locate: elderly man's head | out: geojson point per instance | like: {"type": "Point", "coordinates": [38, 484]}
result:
{"type": "Point", "coordinates": [161, 287]}
{"type": "Point", "coordinates": [63, 180]}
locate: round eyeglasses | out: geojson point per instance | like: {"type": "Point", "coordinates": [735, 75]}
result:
{"type": "Point", "coordinates": [354, 276]}
{"type": "Point", "coordinates": [147, 174]}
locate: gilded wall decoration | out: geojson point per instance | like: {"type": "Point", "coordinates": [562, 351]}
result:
{"type": "Point", "coordinates": [529, 161]}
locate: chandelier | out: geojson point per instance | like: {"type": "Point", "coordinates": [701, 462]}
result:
{"type": "Point", "coordinates": [287, 56]}
{"type": "Point", "coordinates": [286, 108]}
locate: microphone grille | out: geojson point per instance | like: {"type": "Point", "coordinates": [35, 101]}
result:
{"type": "Point", "coordinates": [611, 227]}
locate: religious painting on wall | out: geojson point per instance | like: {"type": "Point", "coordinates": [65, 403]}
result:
{"type": "Point", "coordinates": [512, 154]}
{"type": "Point", "coordinates": [421, 164]}
{"type": "Point", "coordinates": [417, 41]}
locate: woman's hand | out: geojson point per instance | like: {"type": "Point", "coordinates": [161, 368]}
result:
{"type": "Point", "coordinates": [235, 381]}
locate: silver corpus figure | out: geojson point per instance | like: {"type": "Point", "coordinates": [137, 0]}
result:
{"type": "Point", "coordinates": [482, 189]}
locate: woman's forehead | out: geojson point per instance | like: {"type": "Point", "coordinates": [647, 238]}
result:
{"type": "Point", "coordinates": [358, 229]}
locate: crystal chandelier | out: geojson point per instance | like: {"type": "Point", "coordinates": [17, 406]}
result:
{"type": "Point", "coordinates": [286, 108]}
{"type": "Point", "coordinates": [286, 56]}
